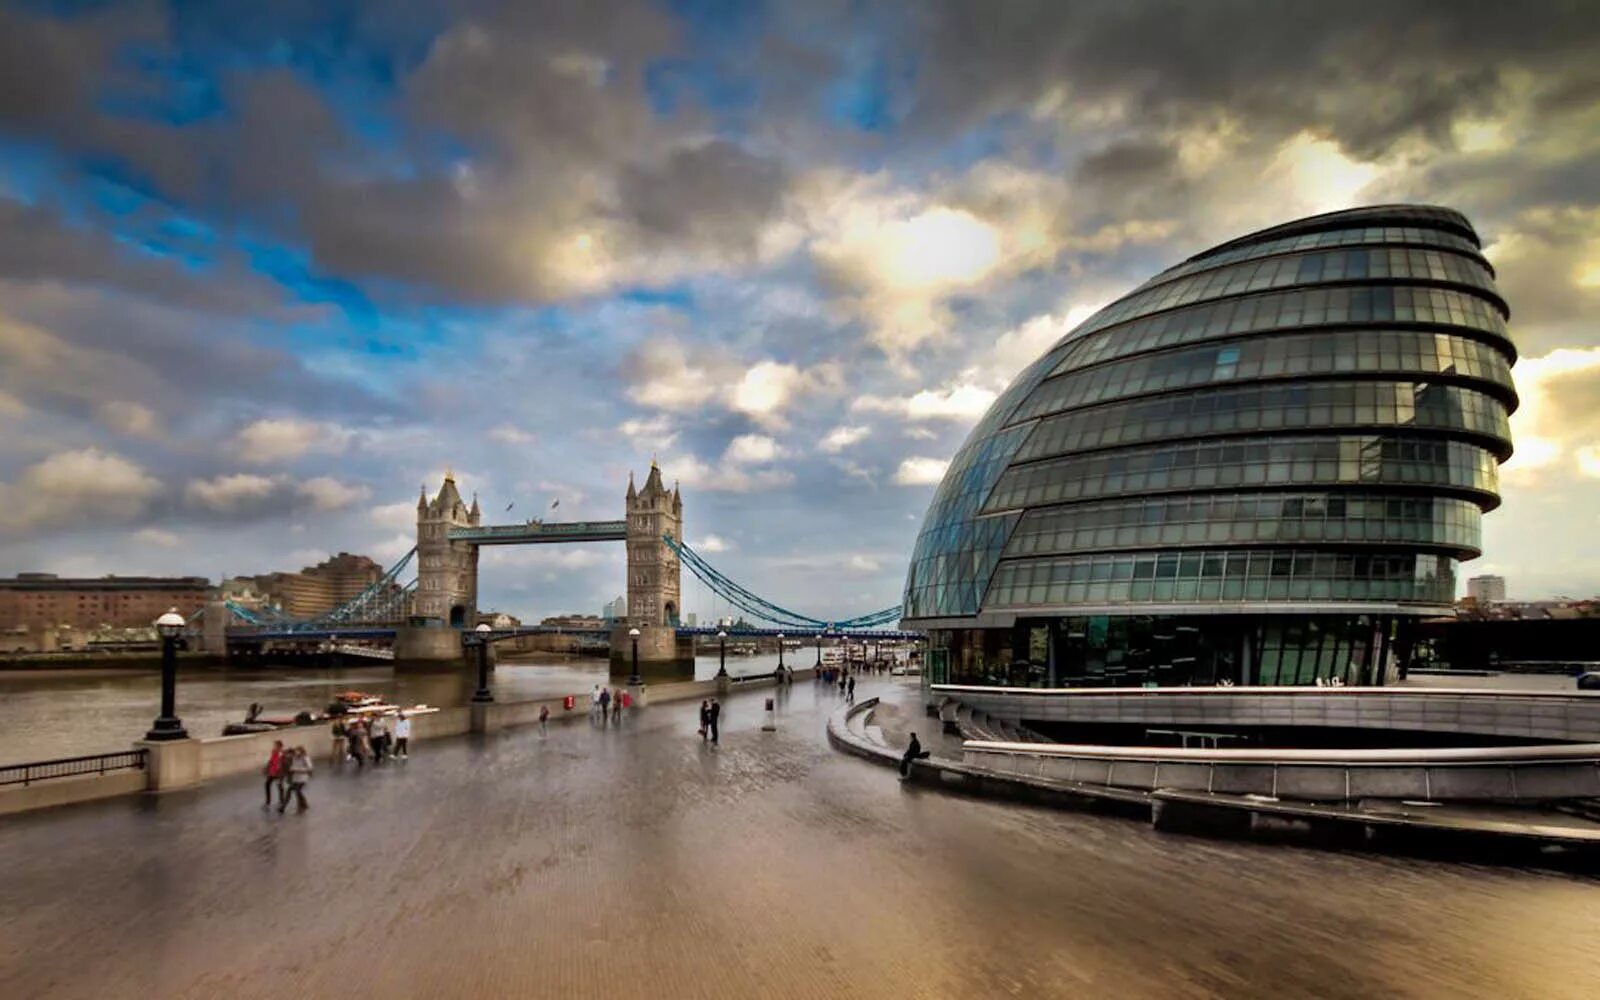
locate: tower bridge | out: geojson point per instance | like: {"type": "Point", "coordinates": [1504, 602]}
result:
{"type": "Point", "coordinates": [427, 619]}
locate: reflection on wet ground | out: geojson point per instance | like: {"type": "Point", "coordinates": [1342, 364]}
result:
{"type": "Point", "coordinates": [640, 862]}
{"type": "Point", "coordinates": [62, 714]}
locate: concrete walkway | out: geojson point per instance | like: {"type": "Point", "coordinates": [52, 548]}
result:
{"type": "Point", "coordinates": [642, 863]}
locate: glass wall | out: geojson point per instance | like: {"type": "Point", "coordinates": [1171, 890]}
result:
{"type": "Point", "coordinates": [1168, 650]}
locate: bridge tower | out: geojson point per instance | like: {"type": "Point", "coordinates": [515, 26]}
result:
{"type": "Point", "coordinates": [447, 572]}
{"type": "Point", "coordinates": [654, 592]}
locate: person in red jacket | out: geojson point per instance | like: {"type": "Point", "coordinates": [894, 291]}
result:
{"type": "Point", "coordinates": [275, 772]}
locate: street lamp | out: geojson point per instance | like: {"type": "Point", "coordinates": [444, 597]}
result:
{"type": "Point", "coordinates": [167, 725]}
{"type": "Point", "coordinates": [819, 649]}
{"type": "Point", "coordinates": [722, 653]}
{"type": "Point", "coordinates": [780, 654]}
{"type": "Point", "coordinates": [633, 679]}
{"type": "Point", "coordinates": [483, 695]}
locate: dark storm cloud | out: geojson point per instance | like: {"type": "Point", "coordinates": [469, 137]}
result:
{"type": "Point", "coordinates": [715, 194]}
{"type": "Point", "coordinates": [1368, 73]}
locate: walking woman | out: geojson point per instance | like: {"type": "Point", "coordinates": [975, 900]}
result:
{"type": "Point", "coordinates": [299, 774]}
{"type": "Point", "coordinates": [705, 719]}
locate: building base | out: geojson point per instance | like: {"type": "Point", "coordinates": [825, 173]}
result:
{"type": "Point", "coordinates": [430, 647]}
{"type": "Point", "coordinates": [663, 654]}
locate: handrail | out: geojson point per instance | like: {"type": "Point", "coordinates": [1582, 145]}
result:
{"type": "Point", "coordinates": [1281, 690]}
{"type": "Point", "coordinates": [1354, 757]}
{"type": "Point", "coordinates": [69, 767]}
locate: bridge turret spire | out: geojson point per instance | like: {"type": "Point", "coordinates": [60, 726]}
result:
{"type": "Point", "coordinates": [632, 493]}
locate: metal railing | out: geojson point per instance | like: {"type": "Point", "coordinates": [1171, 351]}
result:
{"type": "Point", "coordinates": [71, 767]}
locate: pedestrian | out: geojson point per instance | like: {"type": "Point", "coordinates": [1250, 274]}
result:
{"type": "Point", "coordinates": [705, 719]}
{"type": "Point", "coordinates": [352, 738]}
{"type": "Point", "coordinates": [841, 682]}
{"type": "Point", "coordinates": [851, 695]}
{"type": "Point", "coordinates": [544, 720]}
{"type": "Point", "coordinates": [338, 751]}
{"type": "Point", "coordinates": [299, 774]}
{"type": "Point", "coordinates": [594, 701]}
{"type": "Point", "coordinates": [605, 704]}
{"type": "Point", "coordinates": [616, 706]}
{"type": "Point", "coordinates": [714, 719]}
{"type": "Point", "coordinates": [380, 738]}
{"type": "Point", "coordinates": [402, 737]}
{"type": "Point", "coordinates": [913, 752]}
{"type": "Point", "coordinates": [366, 740]}
{"type": "Point", "coordinates": [274, 772]}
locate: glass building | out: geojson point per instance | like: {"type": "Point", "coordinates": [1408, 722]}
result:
{"type": "Point", "coordinates": [1258, 467]}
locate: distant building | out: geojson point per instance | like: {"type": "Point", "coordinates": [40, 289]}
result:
{"type": "Point", "coordinates": [692, 619]}
{"type": "Point", "coordinates": [314, 590]}
{"type": "Point", "coordinates": [612, 610]}
{"type": "Point", "coordinates": [33, 603]}
{"type": "Point", "coordinates": [1487, 589]}
{"type": "Point", "coordinates": [498, 619]}
{"type": "Point", "coordinates": [574, 621]}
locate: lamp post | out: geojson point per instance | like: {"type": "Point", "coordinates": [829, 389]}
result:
{"type": "Point", "coordinates": [722, 652]}
{"type": "Point", "coordinates": [780, 652]}
{"type": "Point", "coordinates": [167, 725]}
{"type": "Point", "coordinates": [633, 679]}
{"type": "Point", "coordinates": [819, 649]}
{"type": "Point", "coordinates": [483, 695]}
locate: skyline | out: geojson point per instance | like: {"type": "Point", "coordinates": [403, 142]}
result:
{"type": "Point", "coordinates": [261, 275]}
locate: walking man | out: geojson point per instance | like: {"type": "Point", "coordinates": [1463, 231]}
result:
{"type": "Point", "coordinates": [605, 704]}
{"type": "Point", "coordinates": [851, 696]}
{"type": "Point", "coordinates": [714, 716]}
{"type": "Point", "coordinates": [544, 720]}
{"type": "Point", "coordinates": [274, 772]}
{"type": "Point", "coordinates": [616, 706]}
{"type": "Point", "coordinates": [402, 737]}
{"type": "Point", "coordinates": [705, 719]}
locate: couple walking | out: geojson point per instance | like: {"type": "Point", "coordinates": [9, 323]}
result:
{"type": "Point", "coordinates": [710, 719]}
{"type": "Point", "coordinates": [288, 771]}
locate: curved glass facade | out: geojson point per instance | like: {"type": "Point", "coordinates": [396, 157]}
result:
{"type": "Point", "coordinates": [1288, 437]}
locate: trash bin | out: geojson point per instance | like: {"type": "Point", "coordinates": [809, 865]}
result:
{"type": "Point", "coordinates": [568, 702]}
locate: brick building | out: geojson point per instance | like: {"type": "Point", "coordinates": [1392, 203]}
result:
{"type": "Point", "coordinates": [314, 590]}
{"type": "Point", "coordinates": [32, 603]}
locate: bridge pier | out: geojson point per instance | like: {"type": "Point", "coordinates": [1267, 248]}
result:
{"type": "Point", "coordinates": [663, 654]}
{"type": "Point", "coordinates": [429, 646]}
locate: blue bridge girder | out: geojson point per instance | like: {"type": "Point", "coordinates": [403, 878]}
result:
{"type": "Point", "coordinates": [542, 532]}
{"type": "Point", "coordinates": [313, 633]}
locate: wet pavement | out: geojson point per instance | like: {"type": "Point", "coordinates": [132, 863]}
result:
{"type": "Point", "coordinates": [641, 862]}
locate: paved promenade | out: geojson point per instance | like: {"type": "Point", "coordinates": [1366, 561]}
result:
{"type": "Point", "coordinates": [640, 863]}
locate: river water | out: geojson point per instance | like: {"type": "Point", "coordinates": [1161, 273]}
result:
{"type": "Point", "coordinates": [63, 713]}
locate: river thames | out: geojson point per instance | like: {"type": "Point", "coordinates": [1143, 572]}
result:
{"type": "Point", "coordinates": [61, 713]}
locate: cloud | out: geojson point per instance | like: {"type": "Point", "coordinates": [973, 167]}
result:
{"type": "Point", "coordinates": [752, 449]}
{"type": "Point", "coordinates": [695, 474]}
{"type": "Point", "coordinates": [842, 437]}
{"type": "Point", "coordinates": [964, 401]}
{"type": "Point", "coordinates": [74, 487]}
{"type": "Point", "coordinates": [276, 440]}
{"type": "Point", "coordinates": [921, 471]}
{"type": "Point", "coordinates": [132, 419]}
{"type": "Point", "coordinates": [1559, 415]}
{"type": "Point", "coordinates": [661, 374]}
{"type": "Point", "coordinates": [397, 516]}
{"type": "Point", "coordinates": [511, 434]}
{"type": "Point", "coordinates": [157, 537]}
{"type": "Point", "coordinates": [712, 543]}
{"type": "Point", "coordinates": [228, 494]}
{"type": "Point", "coordinates": [325, 493]}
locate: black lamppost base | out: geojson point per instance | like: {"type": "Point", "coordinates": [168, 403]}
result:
{"type": "Point", "coordinates": [166, 729]}
{"type": "Point", "coordinates": [482, 696]}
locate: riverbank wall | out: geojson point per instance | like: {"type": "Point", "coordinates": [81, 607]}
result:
{"type": "Point", "coordinates": [187, 763]}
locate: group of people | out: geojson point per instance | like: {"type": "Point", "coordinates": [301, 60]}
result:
{"type": "Point", "coordinates": [287, 772]}
{"type": "Point", "coordinates": [605, 703]}
{"type": "Point", "coordinates": [376, 739]}
{"type": "Point", "coordinates": [710, 720]}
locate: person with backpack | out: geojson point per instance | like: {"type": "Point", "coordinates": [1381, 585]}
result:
{"type": "Point", "coordinates": [299, 774]}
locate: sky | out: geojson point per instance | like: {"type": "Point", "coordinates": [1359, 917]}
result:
{"type": "Point", "coordinates": [267, 269]}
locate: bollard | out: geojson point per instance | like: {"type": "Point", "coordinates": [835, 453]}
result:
{"type": "Point", "coordinates": [770, 724]}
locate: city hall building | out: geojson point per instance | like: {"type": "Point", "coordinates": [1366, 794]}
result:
{"type": "Point", "coordinates": [1259, 467]}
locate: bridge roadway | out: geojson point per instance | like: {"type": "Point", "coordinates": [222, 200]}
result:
{"type": "Point", "coordinates": [640, 863]}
